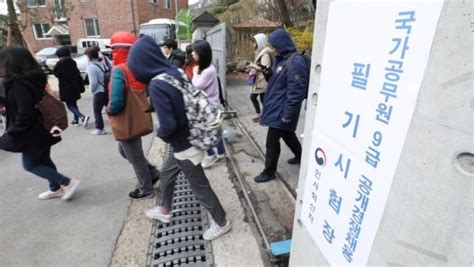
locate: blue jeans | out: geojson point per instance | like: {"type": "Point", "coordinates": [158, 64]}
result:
{"type": "Point", "coordinates": [39, 163]}
{"type": "Point", "coordinates": [72, 106]}
{"type": "Point", "coordinates": [220, 149]}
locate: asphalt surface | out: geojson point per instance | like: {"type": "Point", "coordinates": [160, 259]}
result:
{"type": "Point", "coordinates": [79, 232]}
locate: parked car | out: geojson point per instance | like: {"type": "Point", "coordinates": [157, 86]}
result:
{"type": "Point", "coordinates": [44, 54]}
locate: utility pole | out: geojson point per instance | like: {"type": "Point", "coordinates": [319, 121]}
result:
{"type": "Point", "coordinates": [177, 22]}
{"type": "Point", "coordinates": [134, 25]}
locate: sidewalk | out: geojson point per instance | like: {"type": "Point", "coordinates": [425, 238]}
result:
{"type": "Point", "coordinates": [239, 99]}
{"type": "Point", "coordinates": [240, 247]}
{"type": "Point", "coordinates": [80, 232]}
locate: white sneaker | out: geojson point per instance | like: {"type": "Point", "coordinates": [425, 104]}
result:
{"type": "Point", "coordinates": [208, 161]}
{"type": "Point", "coordinates": [211, 161]}
{"type": "Point", "coordinates": [215, 231]}
{"type": "Point", "coordinates": [85, 121]}
{"type": "Point", "coordinates": [98, 132]}
{"type": "Point", "coordinates": [70, 189]}
{"type": "Point", "coordinates": [50, 194]}
{"type": "Point", "coordinates": [155, 213]}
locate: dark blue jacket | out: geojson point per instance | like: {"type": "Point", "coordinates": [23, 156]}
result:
{"type": "Point", "coordinates": [146, 61]}
{"type": "Point", "coordinates": [286, 88]}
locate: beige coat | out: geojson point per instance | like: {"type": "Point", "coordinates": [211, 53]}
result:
{"type": "Point", "coordinates": [262, 58]}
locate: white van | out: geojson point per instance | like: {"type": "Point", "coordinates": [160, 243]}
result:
{"type": "Point", "coordinates": [84, 43]}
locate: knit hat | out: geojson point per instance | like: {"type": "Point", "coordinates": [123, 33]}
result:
{"type": "Point", "coordinates": [121, 42]}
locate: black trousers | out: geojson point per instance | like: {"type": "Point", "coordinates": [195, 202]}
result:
{"type": "Point", "coordinates": [273, 147]}
{"type": "Point", "coordinates": [100, 101]}
{"type": "Point", "coordinates": [198, 181]}
{"type": "Point", "coordinates": [255, 103]}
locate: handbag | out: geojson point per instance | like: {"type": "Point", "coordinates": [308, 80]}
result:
{"type": "Point", "coordinates": [135, 119]}
{"type": "Point", "coordinates": [53, 112]}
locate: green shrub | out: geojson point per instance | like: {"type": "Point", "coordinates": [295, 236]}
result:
{"type": "Point", "coordinates": [303, 37]}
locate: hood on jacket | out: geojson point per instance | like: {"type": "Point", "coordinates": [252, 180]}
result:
{"type": "Point", "coordinates": [121, 42]}
{"type": "Point", "coordinates": [63, 52]}
{"type": "Point", "coordinates": [146, 60]}
{"type": "Point", "coordinates": [261, 40]}
{"type": "Point", "coordinates": [282, 42]}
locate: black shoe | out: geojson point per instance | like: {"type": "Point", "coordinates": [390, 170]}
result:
{"type": "Point", "coordinates": [262, 178]}
{"type": "Point", "coordinates": [136, 194]}
{"type": "Point", "coordinates": [294, 161]}
{"type": "Point", "coordinates": [75, 123]}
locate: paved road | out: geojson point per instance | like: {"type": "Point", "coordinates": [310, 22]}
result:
{"type": "Point", "coordinates": [81, 232]}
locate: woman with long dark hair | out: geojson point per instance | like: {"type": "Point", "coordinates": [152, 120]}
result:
{"type": "Point", "coordinates": [205, 78]}
{"type": "Point", "coordinates": [25, 133]}
{"type": "Point", "coordinates": [189, 64]}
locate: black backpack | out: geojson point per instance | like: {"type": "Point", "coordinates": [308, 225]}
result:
{"type": "Point", "coordinates": [107, 74]}
{"type": "Point", "coordinates": [307, 60]}
{"type": "Point", "coordinates": [181, 57]}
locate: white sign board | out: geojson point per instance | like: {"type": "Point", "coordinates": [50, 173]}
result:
{"type": "Point", "coordinates": [374, 59]}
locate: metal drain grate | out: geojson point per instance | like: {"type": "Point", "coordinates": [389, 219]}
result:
{"type": "Point", "coordinates": [180, 242]}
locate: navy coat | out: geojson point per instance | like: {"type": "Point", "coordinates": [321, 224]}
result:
{"type": "Point", "coordinates": [287, 85]}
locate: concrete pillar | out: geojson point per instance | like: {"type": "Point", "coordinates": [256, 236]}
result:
{"type": "Point", "coordinates": [428, 216]}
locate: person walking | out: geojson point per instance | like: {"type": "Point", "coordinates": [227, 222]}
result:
{"type": "Point", "coordinates": [286, 91]}
{"type": "Point", "coordinates": [205, 79]}
{"type": "Point", "coordinates": [95, 72]}
{"type": "Point", "coordinates": [25, 83]}
{"type": "Point", "coordinates": [175, 55]}
{"type": "Point", "coordinates": [146, 62]}
{"type": "Point", "coordinates": [71, 84]}
{"type": "Point", "coordinates": [130, 147]}
{"type": "Point", "coordinates": [263, 59]}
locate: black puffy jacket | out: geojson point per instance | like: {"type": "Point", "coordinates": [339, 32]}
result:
{"type": "Point", "coordinates": [25, 131]}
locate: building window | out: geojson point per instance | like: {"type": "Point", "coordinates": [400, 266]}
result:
{"type": "Point", "coordinates": [36, 3]}
{"type": "Point", "coordinates": [155, 2]}
{"type": "Point", "coordinates": [168, 4]}
{"type": "Point", "coordinates": [40, 30]}
{"type": "Point", "coordinates": [59, 9]}
{"type": "Point", "coordinates": [92, 27]}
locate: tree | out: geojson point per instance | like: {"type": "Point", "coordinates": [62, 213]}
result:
{"type": "Point", "coordinates": [284, 13]}
{"type": "Point", "coordinates": [185, 19]}
{"type": "Point", "coordinates": [15, 36]}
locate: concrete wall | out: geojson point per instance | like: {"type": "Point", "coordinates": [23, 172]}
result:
{"type": "Point", "coordinates": [428, 217]}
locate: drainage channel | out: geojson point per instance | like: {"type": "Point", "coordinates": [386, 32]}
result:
{"type": "Point", "coordinates": [262, 228]}
{"type": "Point", "coordinates": [180, 242]}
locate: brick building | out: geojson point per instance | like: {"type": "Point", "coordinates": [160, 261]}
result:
{"type": "Point", "coordinates": [61, 22]}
